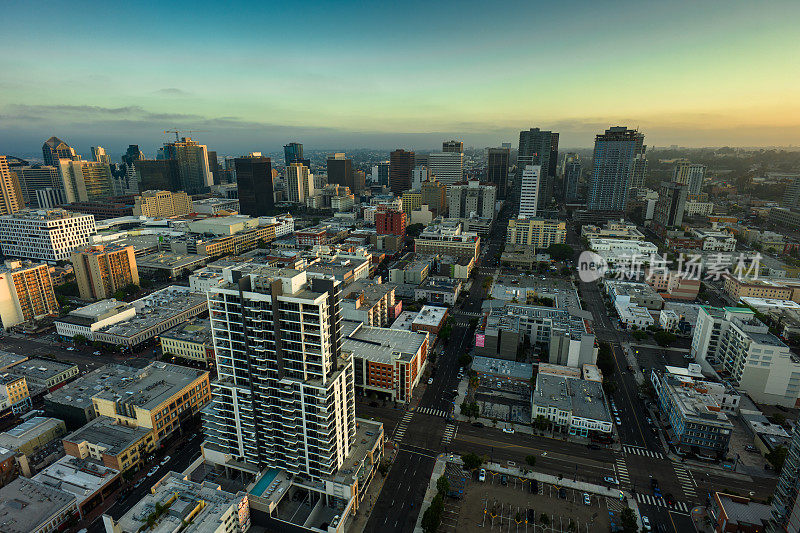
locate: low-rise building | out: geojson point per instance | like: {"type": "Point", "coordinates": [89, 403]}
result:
{"type": "Point", "coordinates": [438, 290]}
{"type": "Point", "coordinates": [446, 237]}
{"type": "Point", "coordinates": [30, 506]}
{"type": "Point", "coordinates": [216, 206]}
{"type": "Point", "coordinates": [697, 422]}
{"type": "Point", "coordinates": [738, 288]}
{"type": "Point", "coordinates": [715, 240]}
{"type": "Point", "coordinates": [191, 341]}
{"type": "Point", "coordinates": [14, 394]}
{"type": "Point", "coordinates": [411, 271]}
{"type": "Point", "coordinates": [430, 319]}
{"type": "Point", "coordinates": [621, 251]}
{"type": "Point", "coordinates": [613, 229]}
{"type": "Point", "coordinates": [118, 446]}
{"type": "Point", "coordinates": [90, 482]}
{"type": "Point", "coordinates": [386, 361]}
{"type": "Point", "coordinates": [625, 293]}
{"type": "Point", "coordinates": [738, 514]}
{"type": "Point", "coordinates": [493, 368]}
{"type": "Point", "coordinates": [44, 374]}
{"type": "Point", "coordinates": [673, 285]}
{"type": "Point", "coordinates": [90, 318]}
{"type": "Point", "coordinates": [191, 507]}
{"type": "Point", "coordinates": [536, 233]}
{"type": "Point", "coordinates": [693, 208]}
{"type": "Point", "coordinates": [633, 315]}
{"type": "Point", "coordinates": [370, 303]}
{"type": "Point", "coordinates": [30, 439]}
{"type": "Point", "coordinates": [668, 319]}
{"type": "Point", "coordinates": [572, 405]}
{"type": "Point", "coordinates": [169, 265]}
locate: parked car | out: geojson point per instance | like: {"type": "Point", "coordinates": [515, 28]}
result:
{"type": "Point", "coordinates": [611, 480]}
{"type": "Point", "coordinates": [430, 380]}
{"type": "Point", "coordinates": [504, 479]}
{"type": "Point", "coordinates": [138, 483]}
{"type": "Point", "coordinates": [152, 471]}
{"type": "Point", "coordinates": [508, 430]}
{"type": "Point", "coordinates": [165, 460]}
{"type": "Point", "coordinates": [645, 523]}
{"type": "Point", "coordinates": [586, 499]}
{"type": "Point", "coordinates": [482, 475]}
{"type": "Point", "coordinates": [70, 349]}
{"type": "Point", "coordinates": [96, 352]}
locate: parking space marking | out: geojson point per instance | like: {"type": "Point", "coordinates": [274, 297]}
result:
{"type": "Point", "coordinates": [636, 450]}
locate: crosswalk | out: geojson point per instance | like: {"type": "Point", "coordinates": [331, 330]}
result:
{"type": "Point", "coordinates": [661, 502]}
{"type": "Point", "coordinates": [686, 480]}
{"type": "Point", "coordinates": [635, 450]}
{"type": "Point", "coordinates": [622, 471]}
{"type": "Point", "coordinates": [431, 411]}
{"type": "Point", "coordinates": [615, 505]}
{"type": "Point", "coordinates": [449, 433]}
{"type": "Point", "coordinates": [400, 430]}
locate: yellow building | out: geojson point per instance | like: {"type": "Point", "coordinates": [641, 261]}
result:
{"type": "Point", "coordinates": [14, 394]}
{"type": "Point", "coordinates": [191, 341]}
{"type": "Point", "coordinates": [102, 270]}
{"type": "Point", "coordinates": [756, 288]}
{"type": "Point", "coordinates": [434, 194]}
{"type": "Point", "coordinates": [26, 292]}
{"type": "Point", "coordinates": [411, 201]}
{"type": "Point", "coordinates": [162, 204]}
{"type": "Point", "coordinates": [117, 446]}
{"type": "Point", "coordinates": [536, 232]}
{"type": "Point", "coordinates": [11, 199]}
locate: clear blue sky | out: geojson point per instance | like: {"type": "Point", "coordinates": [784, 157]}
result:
{"type": "Point", "coordinates": [379, 74]}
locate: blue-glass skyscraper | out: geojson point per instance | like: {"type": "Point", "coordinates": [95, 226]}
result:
{"type": "Point", "coordinates": [616, 153]}
{"type": "Point", "coordinates": [293, 153]}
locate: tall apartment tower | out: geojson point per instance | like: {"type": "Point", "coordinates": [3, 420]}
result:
{"type": "Point", "coordinates": [192, 160]}
{"type": "Point", "coordinates": [791, 197]}
{"type": "Point", "coordinates": [691, 175]}
{"type": "Point", "coordinates": [11, 199]}
{"type": "Point", "coordinates": [530, 187]}
{"type": "Point", "coordinates": [340, 172]}
{"type": "Point", "coordinates": [26, 292]}
{"type": "Point", "coordinates": [497, 169]}
{"type": "Point", "coordinates": [615, 156]}
{"type": "Point", "coordinates": [254, 183]}
{"type": "Point", "coordinates": [472, 198]}
{"type": "Point", "coordinates": [99, 154]}
{"type": "Point", "coordinates": [299, 183]}
{"type": "Point", "coordinates": [54, 149]}
{"type": "Point", "coordinates": [132, 154]}
{"type": "Point", "coordinates": [453, 146]}
{"type": "Point", "coordinates": [572, 177]}
{"type": "Point", "coordinates": [103, 270]}
{"type": "Point", "coordinates": [293, 153]}
{"type": "Point", "coordinates": [401, 164]}
{"type": "Point", "coordinates": [284, 396]}
{"type": "Point", "coordinates": [669, 206]}
{"type": "Point", "coordinates": [86, 181]}
{"type": "Point", "coordinates": [434, 195]}
{"type": "Point", "coordinates": [162, 204]}
{"type": "Point", "coordinates": [538, 148]}
{"type": "Point", "coordinates": [785, 503]}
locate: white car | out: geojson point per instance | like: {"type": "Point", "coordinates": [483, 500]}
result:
{"type": "Point", "coordinates": [165, 460]}
{"type": "Point", "coordinates": [430, 380]}
{"type": "Point", "coordinates": [97, 352]}
{"type": "Point", "coordinates": [152, 471]}
{"type": "Point", "coordinates": [482, 475]}
{"type": "Point", "coordinates": [645, 523]}
{"type": "Point", "coordinates": [586, 499]}
{"type": "Point", "coordinates": [508, 430]}
{"type": "Point", "coordinates": [610, 480]}
{"type": "Point", "coordinates": [70, 349]}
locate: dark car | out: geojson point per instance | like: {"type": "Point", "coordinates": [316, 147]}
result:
{"type": "Point", "coordinates": [477, 424]}
{"type": "Point", "coordinates": [562, 493]}
{"type": "Point", "coordinates": [653, 483]}
{"type": "Point", "coordinates": [504, 479]}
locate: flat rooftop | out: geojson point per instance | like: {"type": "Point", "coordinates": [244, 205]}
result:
{"type": "Point", "coordinates": [197, 330]}
{"type": "Point", "coordinates": [169, 260]}
{"type": "Point", "coordinates": [582, 398]}
{"type": "Point", "coordinates": [380, 345]}
{"type": "Point", "coordinates": [405, 320]}
{"type": "Point", "coordinates": [156, 308]}
{"type": "Point", "coordinates": [26, 505]}
{"type": "Point", "coordinates": [8, 359]}
{"type": "Point", "coordinates": [104, 432]}
{"type": "Point", "coordinates": [32, 428]}
{"type": "Point", "coordinates": [98, 309]}
{"type": "Point", "coordinates": [502, 367]}
{"type": "Point", "coordinates": [429, 315]}
{"type": "Point", "coordinates": [36, 369]}
{"type": "Point", "coordinates": [79, 477]}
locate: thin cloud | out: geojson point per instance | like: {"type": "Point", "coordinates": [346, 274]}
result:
{"type": "Point", "coordinates": [172, 91]}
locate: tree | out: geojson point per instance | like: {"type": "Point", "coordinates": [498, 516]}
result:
{"type": "Point", "coordinates": [610, 387]}
{"type": "Point", "coordinates": [639, 335]}
{"type": "Point", "coordinates": [605, 359]}
{"type": "Point", "coordinates": [471, 461]}
{"type": "Point", "coordinates": [443, 485]}
{"type": "Point", "coordinates": [664, 338]}
{"type": "Point", "coordinates": [80, 339]}
{"type": "Point", "coordinates": [432, 516]}
{"type": "Point", "coordinates": [465, 360]}
{"type": "Point", "coordinates": [561, 252]}
{"type": "Point", "coordinates": [531, 460]}
{"type": "Point", "coordinates": [628, 519]}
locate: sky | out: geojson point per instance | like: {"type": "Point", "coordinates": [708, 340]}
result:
{"type": "Point", "coordinates": [336, 75]}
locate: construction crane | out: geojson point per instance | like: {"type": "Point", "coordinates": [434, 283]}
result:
{"type": "Point", "coordinates": [177, 132]}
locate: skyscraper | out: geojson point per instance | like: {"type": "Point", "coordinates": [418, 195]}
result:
{"type": "Point", "coordinates": [669, 206]}
{"type": "Point", "coordinates": [10, 192]}
{"type": "Point", "coordinates": [340, 172]}
{"type": "Point", "coordinates": [380, 173]}
{"type": "Point", "coordinates": [54, 149]}
{"type": "Point", "coordinates": [284, 397]}
{"type": "Point", "coordinates": [36, 178]}
{"type": "Point", "coordinates": [254, 182]}
{"type": "Point", "coordinates": [539, 148]}
{"type": "Point", "coordinates": [157, 174]}
{"type": "Point", "coordinates": [132, 154]}
{"type": "Point", "coordinates": [299, 183]}
{"type": "Point", "coordinates": [99, 154]}
{"type": "Point", "coordinates": [785, 503]}
{"type": "Point", "coordinates": [615, 153]}
{"type": "Point", "coordinates": [453, 146]}
{"type": "Point", "coordinates": [530, 185]}
{"type": "Point", "coordinates": [293, 153]}
{"type": "Point", "coordinates": [497, 169]}
{"type": "Point", "coordinates": [100, 271]}
{"type": "Point", "coordinates": [447, 167]}
{"type": "Point", "coordinates": [572, 177]}
{"type": "Point", "coordinates": [193, 171]}
{"type": "Point", "coordinates": [85, 181]}
{"type": "Point", "coordinates": [401, 163]}
{"type": "Point", "coordinates": [690, 174]}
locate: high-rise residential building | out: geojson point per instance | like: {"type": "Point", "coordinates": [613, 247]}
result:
{"type": "Point", "coordinates": [86, 181]}
{"type": "Point", "coordinates": [99, 154]}
{"type": "Point", "coordinates": [530, 189]}
{"type": "Point", "coordinates": [380, 173]}
{"type": "Point", "coordinates": [26, 292]}
{"type": "Point", "coordinates": [639, 170]}
{"type": "Point", "coordinates": [299, 183]}
{"type": "Point", "coordinates": [691, 175]}
{"type": "Point", "coordinates": [50, 197]}
{"type": "Point", "coordinates": [157, 174]}
{"type": "Point", "coordinates": [572, 177]}
{"type": "Point", "coordinates": [785, 502]}
{"type": "Point", "coordinates": [340, 172]}
{"type": "Point", "coordinates": [293, 153]}
{"type": "Point", "coordinates": [539, 233]}
{"type": "Point", "coordinates": [497, 169]}
{"type": "Point", "coordinates": [11, 199]}
{"type": "Point", "coordinates": [54, 149]}
{"type": "Point", "coordinates": [193, 170]}
{"type": "Point", "coordinates": [36, 178]}
{"type": "Point", "coordinates": [791, 196]}
{"type": "Point", "coordinates": [615, 156]}
{"type": "Point", "coordinates": [453, 146]}
{"type": "Point", "coordinates": [401, 164]}
{"type": "Point", "coordinates": [254, 182]}
{"type": "Point", "coordinates": [472, 199]}
{"type": "Point", "coordinates": [100, 271]}
{"type": "Point", "coordinates": [46, 235]}
{"type": "Point", "coordinates": [447, 167]}
{"type": "Point", "coordinates": [434, 195]}
{"type": "Point", "coordinates": [669, 206]}
{"type": "Point", "coordinates": [390, 222]}
{"type": "Point", "coordinates": [538, 148]}
{"type": "Point", "coordinates": [284, 397]}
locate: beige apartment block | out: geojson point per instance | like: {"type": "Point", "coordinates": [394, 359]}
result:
{"type": "Point", "coordinates": [102, 270]}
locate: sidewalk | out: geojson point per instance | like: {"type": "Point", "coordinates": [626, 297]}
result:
{"type": "Point", "coordinates": [361, 518]}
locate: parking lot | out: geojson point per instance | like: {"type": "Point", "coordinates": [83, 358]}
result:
{"type": "Point", "coordinates": [511, 503]}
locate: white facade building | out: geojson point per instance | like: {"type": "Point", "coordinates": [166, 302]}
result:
{"type": "Point", "coordinates": [472, 198]}
{"type": "Point", "coordinates": [285, 224]}
{"type": "Point", "coordinates": [529, 194]}
{"type": "Point", "coordinates": [446, 167]}
{"type": "Point", "coordinates": [299, 183]}
{"type": "Point", "coordinates": [46, 235]}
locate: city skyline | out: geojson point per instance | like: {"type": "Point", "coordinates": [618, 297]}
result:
{"type": "Point", "coordinates": [395, 78]}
